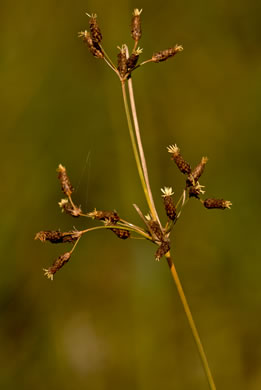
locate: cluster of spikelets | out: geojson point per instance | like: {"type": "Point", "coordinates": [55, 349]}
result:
{"type": "Point", "coordinates": [153, 230]}
{"type": "Point", "coordinates": [126, 63]}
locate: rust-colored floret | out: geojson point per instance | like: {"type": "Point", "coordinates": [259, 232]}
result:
{"type": "Point", "coordinates": [58, 264]}
{"type": "Point", "coordinates": [108, 216]}
{"type": "Point", "coordinates": [136, 25]}
{"type": "Point", "coordinates": [57, 237]}
{"type": "Point", "coordinates": [122, 62]}
{"type": "Point", "coordinates": [212, 203]}
{"type": "Point", "coordinates": [67, 188]}
{"type": "Point", "coordinates": [182, 165]}
{"type": "Point", "coordinates": [95, 29]}
{"type": "Point", "coordinates": [163, 55]}
{"type": "Point", "coordinates": [93, 46]}
{"type": "Point", "coordinates": [197, 172]}
{"type": "Point", "coordinates": [74, 211]}
{"type": "Point", "coordinates": [121, 233]}
{"type": "Point", "coordinates": [162, 250]}
{"type": "Point", "coordinates": [133, 59]}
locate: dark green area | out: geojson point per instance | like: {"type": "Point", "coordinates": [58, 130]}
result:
{"type": "Point", "coordinates": [111, 319]}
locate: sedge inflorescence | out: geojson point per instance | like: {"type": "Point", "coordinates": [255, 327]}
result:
{"type": "Point", "coordinates": [152, 230]}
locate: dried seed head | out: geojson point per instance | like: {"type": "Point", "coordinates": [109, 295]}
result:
{"type": "Point", "coordinates": [168, 203]}
{"type": "Point", "coordinates": [213, 203]}
{"type": "Point", "coordinates": [196, 190]}
{"type": "Point", "coordinates": [197, 172]}
{"type": "Point", "coordinates": [122, 62]}
{"type": "Point", "coordinates": [155, 228]}
{"type": "Point", "coordinates": [136, 25]}
{"type": "Point", "coordinates": [93, 46]}
{"type": "Point", "coordinates": [94, 28]}
{"type": "Point", "coordinates": [57, 237]}
{"type": "Point", "coordinates": [67, 188]}
{"type": "Point", "coordinates": [66, 207]}
{"type": "Point", "coordinates": [133, 59]}
{"type": "Point", "coordinates": [162, 250]}
{"type": "Point", "coordinates": [121, 233]}
{"type": "Point", "coordinates": [163, 55]}
{"type": "Point", "coordinates": [59, 263]}
{"type": "Point", "coordinates": [110, 217]}
{"type": "Point", "coordinates": [183, 166]}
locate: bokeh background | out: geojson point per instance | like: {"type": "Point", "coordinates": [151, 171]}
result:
{"type": "Point", "coordinates": [112, 319]}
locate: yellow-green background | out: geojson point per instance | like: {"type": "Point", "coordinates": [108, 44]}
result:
{"type": "Point", "coordinates": [112, 319]}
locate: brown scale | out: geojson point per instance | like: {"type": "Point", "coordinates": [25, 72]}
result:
{"type": "Point", "coordinates": [163, 55]}
{"type": "Point", "coordinates": [162, 250]}
{"type": "Point", "coordinates": [95, 29]}
{"type": "Point", "coordinates": [170, 207]}
{"type": "Point", "coordinates": [93, 46]}
{"type": "Point", "coordinates": [212, 203]}
{"type": "Point", "coordinates": [57, 237]}
{"type": "Point", "coordinates": [136, 25]}
{"type": "Point", "coordinates": [67, 188]}
{"type": "Point", "coordinates": [155, 227]}
{"type": "Point", "coordinates": [121, 233]}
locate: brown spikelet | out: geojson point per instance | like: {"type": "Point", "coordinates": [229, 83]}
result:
{"type": "Point", "coordinates": [212, 203]}
{"type": "Point", "coordinates": [155, 228]}
{"type": "Point", "coordinates": [163, 55]}
{"type": "Point", "coordinates": [67, 188]}
{"type": "Point", "coordinates": [122, 62]}
{"type": "Point", "coordinates": [170, 207]}
{"type": "Point", "coordinates": [74, 211]}
{"type": "Point", "coordinates": [95, 29]}
{"type": "Point", "coordinates": [197, 172]}
{"type": "Point", "coordinates": [196, 190]}
{"type": "Point", "coordinates": [109, 216]}
{"type": "Point", "coordinates": [162, 250]}
{"type": "Point", "coordinates": [93, 46]}
{"type": "Point", "coordinates": [133, 59]}
{"type": "Point", "coordinates": [58, 264]}
{"type": "Point", "coordinates": [57, 237]}
{"type": "Point", "coordinates": [121, 233]}
{"type": "Point", "coordinates": [136, 25]}
{"type": "Point", "coordinates": [182, 165]}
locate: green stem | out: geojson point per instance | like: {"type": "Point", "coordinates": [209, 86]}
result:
{"type": "Point", "coordinates": [191, 322]}
{"type": "Point", "coordinates": [134, 147]}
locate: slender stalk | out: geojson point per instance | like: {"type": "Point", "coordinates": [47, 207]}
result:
{"type": "Point", "coordinates": [134, 147]}
{"type": "Point", "coordinates": [191, 322]}
{"type": "Point", "coordinates": [140, 147]}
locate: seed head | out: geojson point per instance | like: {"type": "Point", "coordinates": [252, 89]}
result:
{"type": "Point", "coordinates": [136, 25]}
{"type": "Point", "coordinates": [110, 217]}
{"type": "Point", "coordinates": [121, 233]}
{"type": "Point", "coordinates": [133, 59]}
{"type": "Point", "coordinates": [212, 203]}
{"type": "Point", "coordinates": [168, 203]}
{"type": "Point", "coordinates": [155, 228]}
{"type": "Point", "coordinates": [74, 211]}
{"type": "Point", "coordinates": [197, 172]}
{"type": "Point", "coordinates": [182, 165]}
{"type": "Point", "coordinates": [162, 250]}
{"type": "Point", "coordinates": [64, 180]}
{"type": "Point", "coordinates": [196, 190]}
{"type": "Point", "coordinates": [122, 62]}
{"type": "Point", "coordinates": [163, 55]}
{"type": "Point", "coordinates": [58, 264]}
{"type": "Point", "coordinates": [57, 237]}
{"type": "Point", "coordinates": [94, 28]}
{"type": "Point", "coordinates": [93, 46]}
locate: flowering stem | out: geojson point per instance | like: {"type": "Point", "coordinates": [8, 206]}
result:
{"type": "Point", "coordinates": [135, 150]}
{"type": "Point", "coordinates": [191, 322]}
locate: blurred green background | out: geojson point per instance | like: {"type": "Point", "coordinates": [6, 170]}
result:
{"type": "Point", "coordinates": [112, 318]}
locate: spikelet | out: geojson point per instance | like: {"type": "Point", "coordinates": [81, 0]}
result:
{"type": "Point", "coordinates": [122, 62]}
{"type": "Point", "coordinates": [163, 55]}
{"type": "Point", "coordinates": [58, 264]}
{"type": "Point", "coordinates": [56, 237]}
{"type": "Point", "coordinates": [197, 172]}
{"type": "Point", "coordinates": [136, 25]}
{"type": "Point", "coordinates": [93, 46]}
{"type": "Point", "coordinates": [182, 165]}
{"type": "Point", "coordinates": [94, 28]}
{"type": "Point", "coordinates": [67, 188]}
{"type": "Point", "coordinates": [212, 203]}
{"type": "Point", "coordinates": [121, 233]}
{"type": "Point", "coordinates": [168, 203]}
